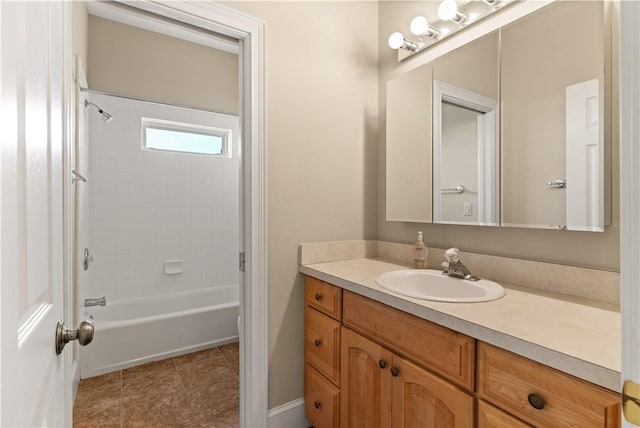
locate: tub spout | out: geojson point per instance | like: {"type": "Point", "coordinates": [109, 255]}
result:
{"type": "Point", "coordinates": [96, 302]}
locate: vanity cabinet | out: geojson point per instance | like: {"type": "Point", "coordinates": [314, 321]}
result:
{"type": "Point", "coordinates": [368, 364]}
{"type": "Point", "coordinates": [322, 315]}
{"type": "Point", "coordinates": [380, 388]}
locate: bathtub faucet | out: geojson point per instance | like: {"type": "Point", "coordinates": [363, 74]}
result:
{"type": "Point", "coordinates": [96, 302]}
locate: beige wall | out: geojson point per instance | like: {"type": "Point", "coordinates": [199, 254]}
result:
{"type": "Point", "coordinates": [321, 84]}
{"type": "Point", "coordinates": [599, 250]}
{"type": "Point", "coordinates": [79, 32]}
{"type": "Point", "coordinates": [126, 60]}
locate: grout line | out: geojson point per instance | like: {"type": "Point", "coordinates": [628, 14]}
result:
{"type": "Point", "coordinates": [184, 392]}
{"type": "Point", "coordinates": [230, 366]}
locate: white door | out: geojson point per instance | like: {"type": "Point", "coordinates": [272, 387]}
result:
{"type": "Point", "coordinates": [33, 126]}
{"type": "Point", "coordinates": [584, 161]}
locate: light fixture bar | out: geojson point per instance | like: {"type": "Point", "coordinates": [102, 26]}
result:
{"type": "Point", "coordinates": [451, 19]}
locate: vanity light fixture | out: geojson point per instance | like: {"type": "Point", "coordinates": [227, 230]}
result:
{"type": "Point", "coordinates": [397, 41]}
{"type": "Point", "coordinates": [451, 19]}
{"type": "Point", "coordinates": [420, 27]}
{"type": "Point", "coordinates": [448, 11]}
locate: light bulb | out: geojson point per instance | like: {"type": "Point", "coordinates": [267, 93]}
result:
{"type": "Point", "coordinates": [396, 40]}
{"type": "Point", "coordinates": [419, 25]}
{"type": "Point", "coordinates": [447, 10]}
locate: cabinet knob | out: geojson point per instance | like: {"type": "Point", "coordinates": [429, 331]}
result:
{"type": "Point", "coordinates": [394, 372]}
{"type": "Point", "coordinates": [536, 401]}
{"type": "Point", "coordinates": [317, 404]}
{"type": "Point", "coordinates": [317, 342]}
{"type": "Point", "coordinates": [318, 297]}
{"type": "Point", "coordinates": [382, 364]}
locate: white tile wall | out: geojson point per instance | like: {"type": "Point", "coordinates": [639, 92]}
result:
{"type": "Point", "coordinates": [149, 206]}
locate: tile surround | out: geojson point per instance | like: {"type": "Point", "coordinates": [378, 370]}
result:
{"type": "Point", "coordinates": [200, 389]}
{"type": "Point", "coordinates": [146, 207]}
{"type": "Point", "coordinates": [593, 284]}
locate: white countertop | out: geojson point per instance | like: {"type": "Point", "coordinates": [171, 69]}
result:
{"type": "Point", "coordinates": [578, 336]}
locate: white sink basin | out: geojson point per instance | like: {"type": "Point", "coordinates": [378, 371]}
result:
{"type": "Point", "coordinates": [430, 284]}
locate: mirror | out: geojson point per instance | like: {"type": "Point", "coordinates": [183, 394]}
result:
{"type": "Point", "coordinates": [552, 68]}
{"type": "Point", "coordinates": [540, 85]}
{"type": "Point", "coordinates": [466, 134]}
{"type": "Point", "coordinates": [409, 156]}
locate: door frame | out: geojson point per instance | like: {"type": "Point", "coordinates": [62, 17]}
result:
{"type": "Point", "coordinates": [488, 140]}
{"type": "Point", "coordinates": [249, 30]}
{"type": "Point", "coordinates": [629, 191]}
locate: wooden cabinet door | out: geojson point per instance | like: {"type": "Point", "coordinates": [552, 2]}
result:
{"type": "Point", "coordinates": [420, 399]}
{"type": "Point", "coordinates": [366, 389]}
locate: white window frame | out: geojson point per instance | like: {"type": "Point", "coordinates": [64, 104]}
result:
{"type": "Point", "coordinates": [167, 125]}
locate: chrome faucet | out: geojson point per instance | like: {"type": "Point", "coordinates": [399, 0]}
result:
{"type": "Point", "coordinates": [454, 267]}
{"type": "Point", "coordinates": [96, 302]}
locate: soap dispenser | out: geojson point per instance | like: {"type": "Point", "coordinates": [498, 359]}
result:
{"type": "Point", "coordinates": [420, 253]}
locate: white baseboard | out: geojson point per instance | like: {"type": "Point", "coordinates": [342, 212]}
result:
{"type": "Point", "coordinates": [288, 415]}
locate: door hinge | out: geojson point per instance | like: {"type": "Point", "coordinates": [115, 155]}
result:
{"type": "Point", "coordinates": [242, 262]}
{"type": "Point", "coordinates": [631, 402]}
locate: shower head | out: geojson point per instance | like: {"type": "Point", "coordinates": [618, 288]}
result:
{"type": "Point", "coordinates": [106, 117]}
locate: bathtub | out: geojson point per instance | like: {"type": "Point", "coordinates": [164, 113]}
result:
{"type": "Point", "coordinates": [139, 330]}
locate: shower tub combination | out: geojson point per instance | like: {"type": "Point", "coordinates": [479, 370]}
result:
{"type": "Point", "coordinates": [135, 331]}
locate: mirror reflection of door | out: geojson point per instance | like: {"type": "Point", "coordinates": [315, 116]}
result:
{"type": "Point", "coordinates": [459, 152]}
{"type": "Point", "coordinates": [465, 151]}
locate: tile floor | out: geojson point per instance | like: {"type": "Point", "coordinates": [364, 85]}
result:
{"type": "Point", "coordinates": [194, 390]}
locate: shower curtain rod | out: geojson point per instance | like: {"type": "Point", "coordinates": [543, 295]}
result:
{"type": "Point", "coordinates": [156, 102]}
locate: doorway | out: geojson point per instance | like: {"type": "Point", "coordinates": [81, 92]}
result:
{"type": "Point", "coordinates": [252, 294]}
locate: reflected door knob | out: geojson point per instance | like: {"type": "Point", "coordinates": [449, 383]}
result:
{"type": "Point", "coordinates": [84, 335]}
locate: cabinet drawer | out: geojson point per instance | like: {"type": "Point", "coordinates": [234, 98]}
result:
{"type": "Point", "coordinates": [322, 344]}
{"type": "Point", "coordinates": [321, 400]}
{"type": "Point", "coordinates": [324, 297]}
{"type": "Point", "coordinates": [512, 382]}
{"type": "Point", "coordinates": [490, 417]}
{"type": "Point", "coordinates": [444, 351]}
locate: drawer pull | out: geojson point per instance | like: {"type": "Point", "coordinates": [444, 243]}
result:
{"type": "Point", "coordinates": [317, 342]}
{"type": "Point", "coordinates": [318, 297]}
{"type": "Point", "coordinates": [317, 404]}
{"type": "Point", "coordinates": [394, 372]}
{"type": "Point", "coordinates": [382, 364]}
{"type": "Point", "coordinates": [536, 401]}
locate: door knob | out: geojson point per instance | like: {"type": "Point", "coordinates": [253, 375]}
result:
{"type": "Point", "coordinates": [84, 335]}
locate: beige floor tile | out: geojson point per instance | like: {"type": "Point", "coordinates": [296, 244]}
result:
{"type": "Point", "coordinates": [200, 389]}
{"type": "Point", "coordinates": [231, 353]}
